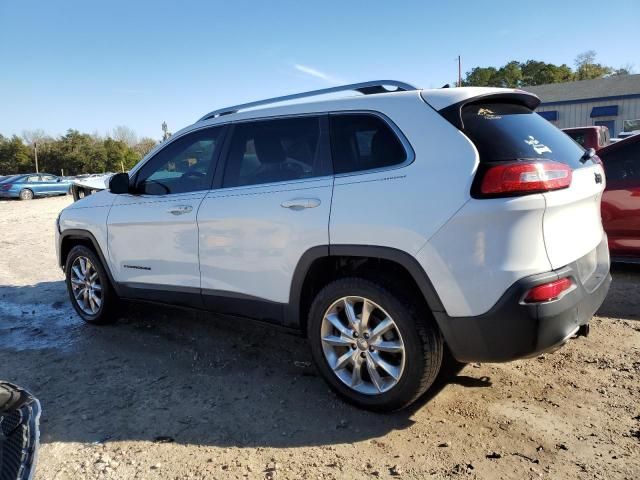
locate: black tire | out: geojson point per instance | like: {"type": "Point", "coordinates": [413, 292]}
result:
{"type": "Point", "coordinates": [421, 337]}
{"type": "Point", "coordinates": [26, 194]}
{"type": "Point", "coordinates": [108, 310]}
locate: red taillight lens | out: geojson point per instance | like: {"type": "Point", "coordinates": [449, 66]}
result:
{"type": "Point", "coordinates": [548, 291]}
{"type": "Point", "coordinates": [525, 177]}
{"type": "Point", "coordinates": [5, 186]}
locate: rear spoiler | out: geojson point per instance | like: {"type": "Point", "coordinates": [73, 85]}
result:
{"type": "Point", "coordinates": [453, 113]}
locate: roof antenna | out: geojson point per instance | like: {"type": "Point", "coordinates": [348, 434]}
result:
{"type": "Point", "coordinates": [446, 85]}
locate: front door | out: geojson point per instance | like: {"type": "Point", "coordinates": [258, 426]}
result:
{"type": "Point", "coordinates": [152, 232]}
{"type": "Point", "coordinates": [51, 185]}
{"type": "Point", "coordinates": [273, 205]}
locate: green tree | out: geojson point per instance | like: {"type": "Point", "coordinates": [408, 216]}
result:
{"type": "Point", "coordinates": [588, 69]}
{"type": "Point", "coordinates": [15, 156]}
{"type": "Point", "coordinates": [541, 73]}
{"type": "Point", "coordinates": [480, 77]}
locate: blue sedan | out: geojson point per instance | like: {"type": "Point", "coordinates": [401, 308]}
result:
{"type": "Point", "coordinates": [26, 187]}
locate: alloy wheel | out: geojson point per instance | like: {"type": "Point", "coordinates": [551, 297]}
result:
{"type": "Point", "coordinates": [362, 345]}
{"type": "Point", "coordinates": [86, 286]}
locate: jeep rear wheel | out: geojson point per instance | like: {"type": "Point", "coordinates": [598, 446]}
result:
{"type": "Point", "coordinates": [373, 348]}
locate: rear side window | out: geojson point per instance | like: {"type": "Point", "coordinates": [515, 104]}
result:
{"type": "Point", "coordinates": [274, 151]}
{"type": "Point", "coordinates": [578, 137]}
{"type": "Point", "coordinates": [363, 142]}
{"type": "Point", "coordinates": [508, 132]}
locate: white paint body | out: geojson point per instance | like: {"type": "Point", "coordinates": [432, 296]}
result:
{"type": "Point", "coordinates": [241, 240]}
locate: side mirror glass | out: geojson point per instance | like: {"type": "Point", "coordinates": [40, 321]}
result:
{"type": "Point", "coordinates": [119, 183]}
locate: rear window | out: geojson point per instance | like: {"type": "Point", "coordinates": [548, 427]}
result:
{"type": "Point", "coordinates": [507, 132]}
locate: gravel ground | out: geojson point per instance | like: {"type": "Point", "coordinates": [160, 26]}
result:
{"type": "Point", "coordinates": [172, 394]}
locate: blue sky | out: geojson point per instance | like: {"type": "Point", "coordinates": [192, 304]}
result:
{"type": "Point", "coordinates": [94, 65]}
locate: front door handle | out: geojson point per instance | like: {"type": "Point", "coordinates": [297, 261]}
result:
{"type": "Point", "coordinates": [301, 203]}
{"type": "Point", "coordinates": [180, 209]}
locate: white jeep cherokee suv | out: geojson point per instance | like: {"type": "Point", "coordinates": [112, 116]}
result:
{"type": "Point", "coordinates": [384, 226]}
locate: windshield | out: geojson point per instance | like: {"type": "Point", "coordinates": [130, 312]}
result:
{"type": "Point", "coordinates": [507, 132]}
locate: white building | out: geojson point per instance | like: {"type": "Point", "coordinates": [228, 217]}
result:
{"type": "Point", "coordinates": [613, 102]}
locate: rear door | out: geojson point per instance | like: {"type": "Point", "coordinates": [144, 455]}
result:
{"type": "Point", "coordinates": [621, 199]}
{"type": "Point", "coordinates": [506, 132]}
{"type": "Point", "coordinates": [272, 205]}
{"type": "Point", "coordinates": [152, 232]}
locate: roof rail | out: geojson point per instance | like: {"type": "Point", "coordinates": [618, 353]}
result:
{"type": "Point", "coordinates": [366, 88]}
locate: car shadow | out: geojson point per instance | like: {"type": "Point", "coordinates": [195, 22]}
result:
{"type": "Point", "coordinates": [168, 374]}
{"type": "Point", "coordinates": [623, 301]}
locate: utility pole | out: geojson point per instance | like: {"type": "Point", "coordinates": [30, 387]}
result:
{"type": "Point", "coordinates": [35, 151]}
{"type": "Point", "coordinates": [459, 71]}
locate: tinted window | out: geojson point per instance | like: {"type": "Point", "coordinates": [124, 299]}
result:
{"type": "Point", "coordinates": [577, 136]}
{"type": "Point", "coordinates": [49, 178]}
{"type": "Point", "coordinates": [184, 165]}
{"type": "Point", "coordinates": [33, 178]}
{"type": "Point", "coordinates": [363, 142]}
{"type": "Point", "coordinates": [503, 131]}
{"type": "Point", "coordinates": [622, 164]}
{"type": "Point", "coordinates": [274, 151]}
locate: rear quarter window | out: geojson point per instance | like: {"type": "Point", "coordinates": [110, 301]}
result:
{"type": "Point", "coordinates": [362, 142]}
{"type": "Point", "coordinates": [508, 132]}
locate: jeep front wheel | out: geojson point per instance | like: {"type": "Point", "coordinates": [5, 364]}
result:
{"type": "Point", "coordinates": [374, 349]}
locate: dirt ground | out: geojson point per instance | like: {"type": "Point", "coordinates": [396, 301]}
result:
{"type": "Point", "coordinates": [174, 394]}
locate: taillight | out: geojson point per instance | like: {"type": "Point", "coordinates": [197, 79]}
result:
{"type": "Point", "coordinates": [548, 291]}
{"type": "Point", "coordinates": [524, 177]}
{"type": "Point", "coordinates": [5, 186]}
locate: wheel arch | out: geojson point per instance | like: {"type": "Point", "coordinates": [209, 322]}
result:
{"type": "Point", "coordinates": [322, 264]}
{"type": "Point", "coordinates": [72, 237]}
{"type": "Point", "coordinates": [33, 193]}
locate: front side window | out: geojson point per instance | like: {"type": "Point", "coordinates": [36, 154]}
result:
{"type": "Point", "coordinates": [33, 179]}
{"type": "Point", "coordinates": [185, 165]}
{"type": "Point", "coordinates": [274, 151]}
{"type": "Point", "coordinates": [363, 142]}
{"type": "Point", "coordinates": [49, 178]}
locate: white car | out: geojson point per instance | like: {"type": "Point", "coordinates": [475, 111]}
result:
{"type": "Point", "coordinates": [383, 226]}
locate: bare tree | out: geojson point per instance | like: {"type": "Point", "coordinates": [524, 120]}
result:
{"type": "Point", "coordinates": [34, 136]}
{"type": "Point", "coordinates": [145, 145]}
{"type": "Point", "coordinates": [126, 135]}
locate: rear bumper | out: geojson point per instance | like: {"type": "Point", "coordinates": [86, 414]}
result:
{"type": "Point", "coordinates": [512, 329]}
{"type": "Point", "coordinates": [9, 195]}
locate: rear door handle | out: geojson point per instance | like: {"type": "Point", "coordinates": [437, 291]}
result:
{"type": "Point", "coordinates": [180, 209]}
{"type": "Point", "coordinates": [301, 203]}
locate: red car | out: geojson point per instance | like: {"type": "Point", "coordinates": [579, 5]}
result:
{"type": "Point", "coordinates": [595, 137]}
{"type": "Point", "coordinates": [621, 198]}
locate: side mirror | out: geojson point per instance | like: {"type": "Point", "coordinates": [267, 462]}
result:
{"type": "Point", "coordinates": [59, 180]}
{"type": "Point", "coordinates": [119, 183]}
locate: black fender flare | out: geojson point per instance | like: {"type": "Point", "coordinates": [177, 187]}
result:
{"type": "Point", "coordinates": [404, 259]}
{"type": "Point", "coordinates": [77, 234]}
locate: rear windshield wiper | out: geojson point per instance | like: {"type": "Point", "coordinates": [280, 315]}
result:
{"type": "Point", "coordinates": [588, 154]}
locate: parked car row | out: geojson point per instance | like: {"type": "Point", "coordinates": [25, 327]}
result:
{"type": "Point", "coordinates": [31, 185]}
